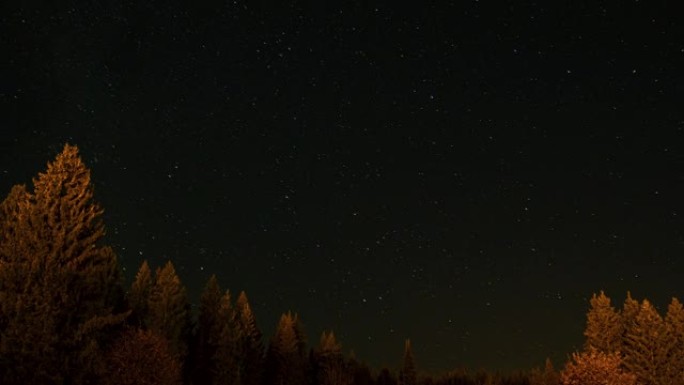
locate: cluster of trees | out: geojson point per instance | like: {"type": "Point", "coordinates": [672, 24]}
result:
{"type": "Point", "coordinates": [634, 344]}
{"type": "Point", "coordinates": [65, 317]}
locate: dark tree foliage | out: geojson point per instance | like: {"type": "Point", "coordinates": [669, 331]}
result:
{"type": "Point", "coordinates": [142, 357]}
{"type": "Point", "coordinates": [59, 286]}
{"type": "Point", "coordinates": [408, 374]}
{"type": "Point", "coordinates": [286, 358]}
{"type": "Point", "coordinates": [139, 296]}
{"type": "Point", "coordinates": [226, 358]}
{"type": "Point", "coordinates": [169, 310]}
{"type": "Point", "coordinates": [207, 333]}
{"type": "Point", "coordinates": [250, 344]}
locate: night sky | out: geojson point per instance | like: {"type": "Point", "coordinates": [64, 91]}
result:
{"type": "Point", "coordinates": [462, 174]}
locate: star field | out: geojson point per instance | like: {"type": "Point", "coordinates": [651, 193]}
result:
{"type": "Point", "coordinates": [465, 174]}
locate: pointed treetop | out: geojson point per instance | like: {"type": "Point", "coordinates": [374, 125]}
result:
{"type": "Point", "coordinates": [329, 345]}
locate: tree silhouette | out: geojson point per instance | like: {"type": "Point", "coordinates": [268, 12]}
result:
{"type": "Point", "coordinates": [407, 374]}
{"type": "Point", "coordinates": [60, 289]}
{"type": "Point", "coordinates": [208, 331]}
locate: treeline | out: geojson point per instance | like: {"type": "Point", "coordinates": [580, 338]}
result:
{"type": "Point", "coordinates": [65, 317]}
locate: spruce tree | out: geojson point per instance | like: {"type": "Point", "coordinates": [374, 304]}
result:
{"type": "Point", "coordinates": [61, 288]}
{"type": "Point", "coordinates": [407, 374]}
{"type": "Point", "coordinates": [139, 296]}
{"type": "Point", "coordinates": [251, 347]}
{"type": "Point", "coordinates": [207, 334]}
{"type": "Point", "coordinates": [226, 357]}
{"type": "Point", "coordinates": [169, 310]}
{"type": "Point", "coordinates": [673, 343]}
{"type": "Point", "coordinates": [643, 352]}
{"type": "Point", "coordinates": [604, 325]}
{"type": "Point", "coordinates": [285, 361]}
{"type": "Point", "coordinates": [329, 362]}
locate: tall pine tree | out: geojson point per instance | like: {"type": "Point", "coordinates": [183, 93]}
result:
{"type": "Point", "coordinates": [604, 325]}
{"type": "Point", "coordinates": [286, 359]}
{"type": "Point", "coordinates": [251, 346]}
{"type": "Point", "coordinates": [407, 374]}
{"type": "Point", "coordinates": [226, 357]}
{"type": "Point", "coordinates": [139, 296]}
{"type": "Point", "coordinates": [60, 287]}
{"type": "Point", "coordinates": [329, 362]}
{"type": "Point", "coordinates": [169, 310]}
{"type": "Point", "coordinates": [673, 342]}
{"type": "Point", "coordinates": [207, 334]}
{"type": "Point", "coordinates": [643, 350]}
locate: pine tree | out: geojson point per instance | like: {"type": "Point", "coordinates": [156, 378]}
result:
{"type": "Point", "coordinates": [673, 342]}
{"type": "Point", "coordinates": [251, 347]}
{"type": "Point", "coordinates": [169, 310]}
{"type": "Point", "coordinates": [285, 361]}
{"type": "Point", "coordinates": [226, 357]}
{"type": "Point", "coordinates": [329, 363]}
{"type": "Point", "coordinates": [407, 375]}
{"type": "Point", "coordinates": [207, 336]}
{"type": "Point", "coordinates": [139, 296]}
{"type": "Point", "coordinates": [630, 309]}
{"type": "Point", "coordinates": [643, 352]}
{"type": "Point", "coordinates": [604, 325]}
{"type": "Point", "coordinates": [55, 270]}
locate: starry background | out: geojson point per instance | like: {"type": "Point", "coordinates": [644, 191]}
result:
{"type": "Point", "coordinates": [465, 174]}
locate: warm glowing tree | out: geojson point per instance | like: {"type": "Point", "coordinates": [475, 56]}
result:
{"type": "Point", "coordinates": [169, 310]}
{"type": "Point", "coordinates": [250, 345]}
{"type": "Point", "coordinates": [645, 354]}
{"type": "Point", "coordinates": [674, 343]}
{"type": "Point", "coordinates": [139, 296]}
{"type": "Point", "coordinates": [604, 325]}
{"type": "Point", "coordinates": [329, 362]}
{"type": "Point", "coordinates": [59, 286]}
{"type": "Point", "coordinates": [593, 367]}
{"type": "Point", "coordinates": [286, 357]}
{"type": "Point", "coordinates": [226, 367]}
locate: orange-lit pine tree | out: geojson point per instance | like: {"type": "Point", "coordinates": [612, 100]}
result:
{"type": "Point", "coordinates": [60, 287]}
{"type": "Point", "coordinates": [604, 325]}
{"type": "Point", "coordinates": [139, 296]}
{"type": "Point", "coordinates": [250, 345]}
{"type": "Point", "coordinates": [169, 310]}
{"type": "Point", "coordinates": [286, 361]}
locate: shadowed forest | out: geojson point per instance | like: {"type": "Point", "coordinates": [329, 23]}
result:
{"type": "Point", "coordinates": [67, 317]}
